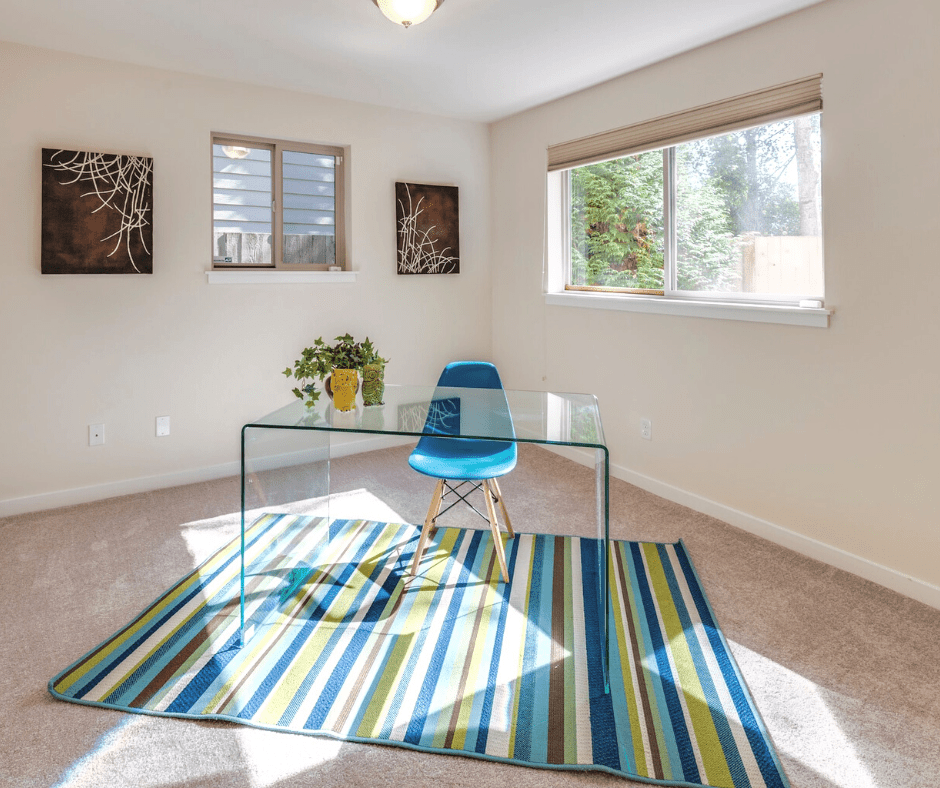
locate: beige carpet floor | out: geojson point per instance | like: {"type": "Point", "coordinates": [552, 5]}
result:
{"type": "Point", "coordinates": [845, 673]}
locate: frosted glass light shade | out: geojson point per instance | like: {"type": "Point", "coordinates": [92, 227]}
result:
{"type": "Point", "coordinates": [234, 151]}
{"type": "Point", "coordinates": [407, 12]}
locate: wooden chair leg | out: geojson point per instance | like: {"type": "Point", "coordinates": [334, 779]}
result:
{"type": "Point", "coordinates": [437, 509]}
{"type": "Point", "coordinates": [433, 510]}
{"type": "Point", "coordinates": [502, 506]}
{"type": "Point", "coordinates": [494, 528]}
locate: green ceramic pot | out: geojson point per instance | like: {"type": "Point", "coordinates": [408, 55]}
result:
{"type": "Point", "coordinates": [373, 384]}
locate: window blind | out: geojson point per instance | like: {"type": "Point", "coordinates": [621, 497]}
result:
{"type": "Point", "coordinates": [800, 97]}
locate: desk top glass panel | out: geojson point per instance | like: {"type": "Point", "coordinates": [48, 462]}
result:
{"type": "Point", "coordinates": [534, 416]}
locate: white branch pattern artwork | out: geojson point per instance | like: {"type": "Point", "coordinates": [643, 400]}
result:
{"type": "Point", "coordinates": [97, 213]}
{"type": "Point", "coordinates": [428, 231]}
{"type": "Point", "coordinates": [439, 417]}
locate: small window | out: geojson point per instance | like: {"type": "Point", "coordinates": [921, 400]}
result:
{"type": "Point", "coordinates": [734, 216]}
{"type": "Point", "coordinates": [276, 204]}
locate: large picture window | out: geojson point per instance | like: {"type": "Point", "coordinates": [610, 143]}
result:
{"type": "Point", "coordinates": [276, 204]}
{"type": "Point", "coordinates": [733, 216]}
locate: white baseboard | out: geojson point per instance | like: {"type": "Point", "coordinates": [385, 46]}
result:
{"type": "Point", "coordinates": [98, 492]}
{"type": "Point", "coordinates": [909, 586]}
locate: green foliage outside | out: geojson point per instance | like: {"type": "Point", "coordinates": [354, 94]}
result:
{"type": "Point", "coordinates": [706, 250]}
{"type": "Point", "coordinates": [746, 167]}
{"type": "Point", "coordinates": [617, 223]}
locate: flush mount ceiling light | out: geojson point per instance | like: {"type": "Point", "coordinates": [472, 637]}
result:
{"type": "Point", "coordinates": [234, 151]}
{"type": "Point", "coordinates": [408, 12]}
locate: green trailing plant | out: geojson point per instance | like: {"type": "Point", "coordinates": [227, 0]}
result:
{"type": "Point", "coordinates": [319, 361]}
{"type": "Point", "coordinates": [370, 355]}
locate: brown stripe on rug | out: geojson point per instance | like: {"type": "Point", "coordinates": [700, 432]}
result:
{"type": "Point", "coordinates": [556, 686]}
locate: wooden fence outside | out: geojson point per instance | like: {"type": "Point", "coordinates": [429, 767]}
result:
{"type": "Point", "coordinates": [786, 264]}
{"type": "Point", "coordinates": [255, 248]}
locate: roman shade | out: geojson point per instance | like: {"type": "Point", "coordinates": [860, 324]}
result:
{"type": "Point", "coordinates": [800, 97]}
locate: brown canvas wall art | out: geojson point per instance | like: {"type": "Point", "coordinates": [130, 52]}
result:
{"type": "Point", "coordinates": [428, 229]}
{"type": "Point", "coordinates": [97, 213]}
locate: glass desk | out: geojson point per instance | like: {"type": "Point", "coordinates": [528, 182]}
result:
{"type": "Point", "coordinates": [285, 456]}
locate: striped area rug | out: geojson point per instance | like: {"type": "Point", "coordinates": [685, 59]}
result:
{"type": "Point", "coordinates": [344, 643]}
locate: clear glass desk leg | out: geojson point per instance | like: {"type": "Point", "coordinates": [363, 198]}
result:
{"type": "Point", "coordinates": [285, 472]}
{"type": "Point", "coordinates": [602, 483]}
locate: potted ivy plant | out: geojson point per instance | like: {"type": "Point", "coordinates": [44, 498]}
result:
{"type": "Point", "coordinates": [339, 364]}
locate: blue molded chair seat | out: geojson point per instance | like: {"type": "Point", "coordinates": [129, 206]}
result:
{"type": "Point", "coordinates": [466, 460]}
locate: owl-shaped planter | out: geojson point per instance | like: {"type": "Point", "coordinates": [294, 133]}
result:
{"type": "Point", "coordinates": [342, 386]}
{"type": "Point", "coordinates": [373, 384]}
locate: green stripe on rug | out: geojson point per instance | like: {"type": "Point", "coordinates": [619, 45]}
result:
{"type": "Point", "coordinates": [345, 643]}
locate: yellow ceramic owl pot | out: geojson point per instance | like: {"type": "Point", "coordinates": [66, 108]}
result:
{"type": "Point", "coordinates": [344, 383]}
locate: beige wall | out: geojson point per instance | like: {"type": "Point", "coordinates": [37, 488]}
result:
{"type": "Point", "coordinates": [827, 439]}
{"type": "Point", "coordinates": [121, 350]}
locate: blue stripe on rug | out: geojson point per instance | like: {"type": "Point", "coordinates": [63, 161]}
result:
{"type": "Point", "coordinates": [605, 748]}
{"type": "Point", "coordinates": [677, 719]}
{"type": "Point", "coordinates": [766, 760]}
{"type": "Point", "coordinates": [535, 624]}
{"type": "Point", "coordinates": [486, 709]}
{"type": "Point", "coordinates": [723, 729]}
{"type": "Point", "coordinates": [434, 688]}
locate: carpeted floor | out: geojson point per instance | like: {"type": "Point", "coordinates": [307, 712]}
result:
{"type": "Point", "coordinates": [845, 673]}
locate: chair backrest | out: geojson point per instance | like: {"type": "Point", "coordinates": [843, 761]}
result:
{"type": "Point", "coordinates": [470, 375]}
{"type": "Point", "coordinates": [489, 414]}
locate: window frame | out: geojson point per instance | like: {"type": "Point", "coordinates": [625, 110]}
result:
{"type": "Point", "coordinates": [670, 251]}
{"type": "Point", "coordinates": [798, 97]}
{"type": "Point", "coordinates": [277, 148]}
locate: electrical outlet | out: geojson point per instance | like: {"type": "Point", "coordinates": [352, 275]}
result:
{"type": "Point", "coordinates": [646, 429]}
{"type": "Point", "coordinates": [163, 426]}
{"type": "Point", "coordinates": [95, 434]}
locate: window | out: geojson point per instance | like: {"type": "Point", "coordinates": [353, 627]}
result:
{"type": "Point", "coordinates": [276, 204]}
{"type": "Point", "coordinates": [720, 203]}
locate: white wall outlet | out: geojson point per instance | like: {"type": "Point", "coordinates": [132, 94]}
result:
{"type": "Point", "coordinates": [646, 429]}
{"type": "Point", "coordinates": [163, 426]}
{"type": "Point", "coordinates": [95, 434]}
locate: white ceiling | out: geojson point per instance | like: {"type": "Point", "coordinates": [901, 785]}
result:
{"type": "Point", "coordinates": [474, 59]}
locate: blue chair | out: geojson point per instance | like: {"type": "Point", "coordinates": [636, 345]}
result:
{"type": "Point", "coordinates": [456, 462]}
